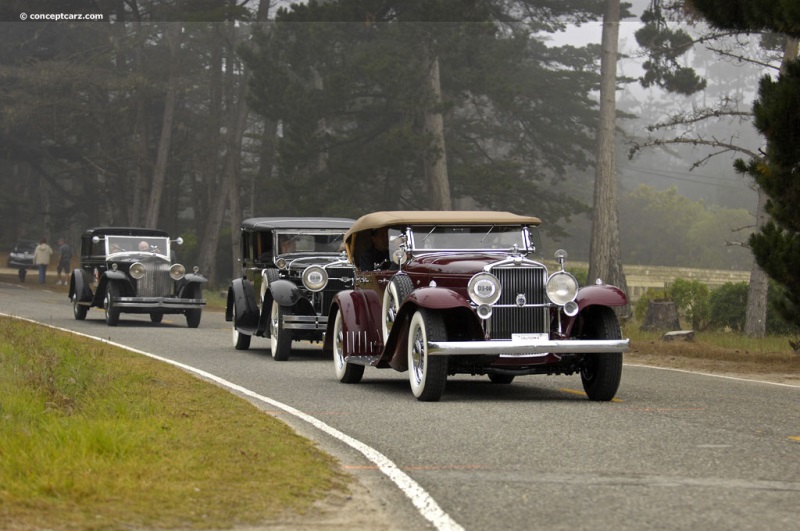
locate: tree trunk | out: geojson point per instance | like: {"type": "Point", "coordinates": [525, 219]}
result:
{"type": "Point", "coordinates": [160, 170]}
{"type": "Point", "coordinates": [755, 324]}
{"type": "Point", "coordinates": [605, 259]}
{"type": "Point", "coordinates": [756, 317]}
{"type": "Point", "coordinates": [661, 315]}
{"type": "Point", "coordinates": [436, 158]}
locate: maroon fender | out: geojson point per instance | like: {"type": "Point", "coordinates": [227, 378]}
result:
{"type": "Point", "coordinates": [361, 320]}
{"type": "Point", "coordinates": [597, 295]}
{"type": "Point", "coordinates": [454, 307]}
{"type": "Point", "coordinates": [437, 299]}
{"type": "Point", "coordinates": [602, 295]}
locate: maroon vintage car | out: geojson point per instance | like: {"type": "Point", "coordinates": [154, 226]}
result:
{"type": "Point", "coordinates": [459, 292]}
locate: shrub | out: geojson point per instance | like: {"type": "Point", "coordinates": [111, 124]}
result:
{"type": "Point", "coordinates": [728, 306]}
{"type": "Point", "coordinates": [691, 297]}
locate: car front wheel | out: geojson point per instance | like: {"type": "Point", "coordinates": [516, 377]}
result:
{"type": "Point", "coordinates": [345, 372]}
{"type": "Point", "coordinates": [112, 313]}
{"type": "Point", "coordinates": [601, 373]}
{"type": "Point", "coordinates": [427, 374]}
{"type": "Point", "coordinates": [280, 338]}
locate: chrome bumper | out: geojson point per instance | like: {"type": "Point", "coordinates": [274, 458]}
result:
{"type": "Point", "coordinates": [158, 302]}
{"type": "Point", "coordinates": [528, 348]}
{"type": "Point", "coordinates": [305, 322]}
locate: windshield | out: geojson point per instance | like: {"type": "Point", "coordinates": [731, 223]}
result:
{"type": "Point", "coordinates": [137, 244]}
{"type": "Point", "coordinates": [317, 241]}
{"type": "Point", "coordinates": [483, 237]}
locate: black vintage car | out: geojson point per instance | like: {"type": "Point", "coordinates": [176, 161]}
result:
{"type": "Point", "coordinates": [129, 269]}
{"type": "Point", "coordinates": [291, 269]}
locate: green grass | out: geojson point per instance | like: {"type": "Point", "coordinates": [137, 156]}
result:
{"type": "Point", "coordinates": [95, 437]}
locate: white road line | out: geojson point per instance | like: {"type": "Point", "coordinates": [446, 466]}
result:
{"type": "Point", "coordinates": [711, 374]}
{"type": "Point", "coordinates": [423, 501]}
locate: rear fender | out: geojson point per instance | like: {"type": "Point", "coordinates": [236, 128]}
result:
{"type": "Point", "coordinates": [361, 323]}
{"type": "Point", "coordinates": [79, 286]}
{"type": "Point", "coordinates": [242, 306]}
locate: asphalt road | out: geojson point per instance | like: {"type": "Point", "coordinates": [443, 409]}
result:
{"type": "Point", "coordinates": [674, 451]}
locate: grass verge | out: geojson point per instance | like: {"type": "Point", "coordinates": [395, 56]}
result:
{"type": "Point", "coordinates": [95, 437]}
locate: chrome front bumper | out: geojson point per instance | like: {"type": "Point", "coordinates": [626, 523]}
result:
{"type": "Point", "coordinates": [158, 302]}
{"type": "Point", "coordinates": [528, 347]}
{"type": "Point", "coordinates": [305, 322]}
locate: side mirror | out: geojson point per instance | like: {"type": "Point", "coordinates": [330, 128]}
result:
{"type": "Point", "coordinates": [178, 240]}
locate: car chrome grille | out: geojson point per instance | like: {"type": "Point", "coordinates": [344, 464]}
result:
{"type": "Point", "coordinates": [527, 281]}
{"type": "Point", "coordinates": [339, 278]}
{"type": "Point", "coordinates": [156, 281]}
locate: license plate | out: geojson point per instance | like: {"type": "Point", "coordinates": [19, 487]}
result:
{"type": "Point", "coordinates": [530, 337]}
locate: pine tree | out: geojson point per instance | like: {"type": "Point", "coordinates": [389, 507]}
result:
{"type": "Point", "coordinates": [776, 246]}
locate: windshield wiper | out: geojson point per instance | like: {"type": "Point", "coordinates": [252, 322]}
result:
{"type": "Point", "coordinates": [487, 234]}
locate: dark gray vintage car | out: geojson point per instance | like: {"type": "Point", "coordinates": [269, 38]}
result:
{"type": "Point", "coordinates": [291, 269]}
{"type": "Point", "coordinates": [21, 257]}
{"type": "Point", "coordinates": [129, 269]}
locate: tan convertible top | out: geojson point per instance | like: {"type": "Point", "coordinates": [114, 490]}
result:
{"type": "Point", "coordinates": [377, 220]}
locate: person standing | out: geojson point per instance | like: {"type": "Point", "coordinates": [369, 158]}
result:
{"type": "Point", "coordinates": [41, 258]}
{"type": "Point", "coordinates": [65, 252]}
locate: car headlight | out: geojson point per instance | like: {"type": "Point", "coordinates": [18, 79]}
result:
{"type": "Point", "coordinates": [177, 271]}
{"type": "Point", "coordinates": [137, 270]}
{"type": "Point", "coordinates": [280, 263]}
{"type": "Point", "coordinates": [561, 288]}
{"type": "Point", "coordinates": [484, 288]}
{"type": "Point", "coordinates": [315, 278]}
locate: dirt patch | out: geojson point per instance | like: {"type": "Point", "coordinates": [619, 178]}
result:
{"type": "Point", "coordinates": [778, 367]}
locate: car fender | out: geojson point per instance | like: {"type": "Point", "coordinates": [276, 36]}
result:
{"type": "Point", "coordinates": [117, 277]}
{"type": "Point", "coordinates": [242, 306]}
{"type": "Point", "coordinates": [195, 278]}
{"type": "Point", "coordinates": [285, 292]}
{"type": "Point", "coordinates": [455, 309]}
{"type": "Point", "coordinates": [597, 295]}
{"type": "Point", "coordinates": [361, 314]}
{"type": "Point", "coordinates": [601, 295]}
{"type": "Point", "coordinates": [79, 286]}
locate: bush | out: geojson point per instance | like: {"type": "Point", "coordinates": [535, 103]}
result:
{"type": "Point", "coordinates": [692, 300]}
{"type": "Point", "coordinates": [728, 306]}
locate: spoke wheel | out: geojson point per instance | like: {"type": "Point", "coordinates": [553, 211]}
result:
{"type": "Point", "coordinates": [345, 372]}
{"type": "Point", "coordinates": [396, 292]}
{"type": "Point", "coordinates": [280, 338]}
{"type": "Point", "coordinates": [427, 374]}
{"type": "Point", "coordinates": [112, 313]}
{"type": "Point", "coordinates": [601, 373]}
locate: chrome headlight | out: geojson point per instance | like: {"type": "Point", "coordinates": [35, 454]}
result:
{"type": "Point", "coordinates": [177, 271]}
{"type": "Point", "coordinates": [561, 288]}
{"type": "Point", "coordinates": [484, 288]}
{"type": "Point", "coordinates": [280, 263]}
{"type": "Point", "coordinates": [137, 270]}
{"type": "Point", "coordinates": [315, 278]}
